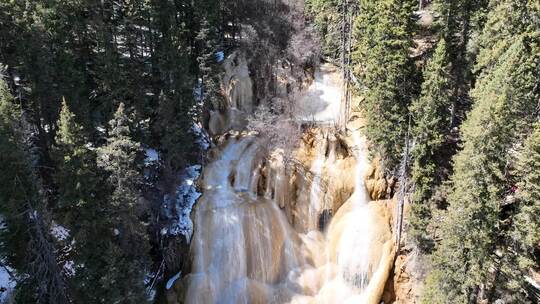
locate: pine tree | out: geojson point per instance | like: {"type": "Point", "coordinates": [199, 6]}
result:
{"type": "Point", "coordinates": [76, 176]}
{"type": "Point", "coordinates": [524, 234]}
{"type": "Point", "coordinates": [384, 31]}
{"type": "Point", "coordinates": [208, 69]}
{"type": "Point", "coordinates": [14, 182]}
{"type": "Point", "coordinates": [25, 243]}
{"type": "Point", "coordinates": [457, 21]}
{"type": "Point", "coordinates": [82, 209]}
{"type": "Point", "coordinates": [506, 21]}
{"type": "Point", "coordinates": [128, 252]}
{"type": "Point", "coordinates": [505, 100]}
{"type": "Point", "coordinates": [431, 115]}
{"type": "Point", "coordinates": [326, 17]}
{"type": "Point", "coordinates": [174, 126]}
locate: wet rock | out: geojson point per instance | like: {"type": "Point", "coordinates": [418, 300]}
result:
{"type": "Point", "coordinates": [376, 182]}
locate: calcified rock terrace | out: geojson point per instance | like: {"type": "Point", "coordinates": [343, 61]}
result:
{"type": "Point", "coordinates": [268, 230]}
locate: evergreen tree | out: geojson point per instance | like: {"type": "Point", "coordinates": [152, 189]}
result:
{"type": "Point", "coordinates": [127, 254]}
{"type": "Point", "coordinates": [96, 53]}
{"type": "Point", "coordinates": [431, 114]}
{"type": "Point", "coordinates": [524, 233]}
{"type": "Point", "coordinates": [25, 241]}
{"type": "Point", "coordinates": [505, 100]}
{"type": "Point", "coordinates": [175, 130]}
{"type": "Point", "coordinates": [15, 180]}
{"type": "Point", "coordinates": [83, 210]}
{"type": "Point", "coordinates": [506, 21]}
{"type": "Point", "coordinates": [76, 161]}
{"type": "Point", "coordinates": [209, 76]}
{"type": "Point", "coordinates": [457, 21]}
{"type": "Point", "coordinates": [326, 17]}
{"type": "Point", "coordinates": [383, 31]}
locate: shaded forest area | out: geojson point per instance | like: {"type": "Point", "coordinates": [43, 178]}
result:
{"type": "Point", "coordinates": [92, 95]}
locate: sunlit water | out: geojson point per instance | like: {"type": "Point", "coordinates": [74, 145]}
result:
{"type": "Point", "coordinates": [245, 250]}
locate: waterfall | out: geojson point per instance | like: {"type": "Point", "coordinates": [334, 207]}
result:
{"type": "Point", "coordinates": [241, 246]}
{"type": "Point", "coordinates": [316, 196]}
{"type": "Point", "coordinates": [249, 244]}
{"type": "Point", "coordinates": [354, 247]}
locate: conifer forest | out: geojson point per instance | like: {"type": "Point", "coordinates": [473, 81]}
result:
{"type": "Point", "coordinates": [269, 151]}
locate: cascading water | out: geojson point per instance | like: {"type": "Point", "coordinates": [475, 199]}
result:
{"type": "Point", "coordinates": [242, 248]}
{"type": "Point", "coordinates": [247, 249]}
{"type": "Point", "coordinates": [353, 253]}
{"type": "Point", "coordinates": [316, 196]}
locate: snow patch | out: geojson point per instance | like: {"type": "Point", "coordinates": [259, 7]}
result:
{"type": "Point", "coordinates": [69, 268]}
{"type": "Point", "coordinates": [101, 129]}
{"type": "Point", "coordinates": [185, 197]}
{"type": "Point", "coordinates": [62, 234]}
{"type": "Point", "coordinates": [198, 91]}
{"type": "Point", "coordinates": [202, 139]}
{"type": "Point", "coordinates": [59, 232]}
{"type": "Point", "coordinates": [150, 281]}
{"type": "Point", "coordinates": [151, 157]}
{"type": "Point", "coordinates": [7, 282]}
{"type": "Point", "coordinates": [152, 295]}
{"type": "Point", "coordinates": [90, 146]}
{"type": "Point", "coordinates": [171, 281]}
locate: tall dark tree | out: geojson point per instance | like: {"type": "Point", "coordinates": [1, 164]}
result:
{"type": "Point", "coordinates": [505, 97]}
{"type": "Point", "coordinates": [327, 20]}
{"type": "Point", "coordinates": [457, 21]}
{"type": "Point", "coordinates": [83, 209]}
{"type": "Point", "coordinates": [26, 242]}
{"type": "Point", "coordinates": [431, 115]}
{"type": "Point", "coordinates": [76, 162]}
{"type": "Point", "coordinates": [128, 253]}
{"type": "Point", "coordinates": [384, 31]}
{"type": "Point", "coordinates": [524, 234]}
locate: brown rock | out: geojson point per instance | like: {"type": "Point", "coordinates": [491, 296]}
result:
{"type": "Point", "coordinates": [376, 183]}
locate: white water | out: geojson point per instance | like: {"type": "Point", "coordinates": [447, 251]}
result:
{"type": "Point", "coordinates": [316, 196]}
{"type": "Point", "coordinates": [357, 237]}
{"type": "Point", "coordinates": [323, 100]}
{"type": "Point", "coordinates": [245, 249]}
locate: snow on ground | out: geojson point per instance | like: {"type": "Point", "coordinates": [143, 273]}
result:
{"type": "Point", "coordinates": [7, 283]}
{"type": "Point", "coordinates": [198, 91]}
{"type": "Point", "coordinates": [185, 197]}
{"type": "Point", "coordinates": [101, 129]}
{"type": "Point", "coordinates": [323, 99]}
{"type": "Point", "coordinates": [202, 138]}
{"type": "Point", "coordinates": [62, 235]}
{"type": "Point", "coordinates": [59, 232]}
{"type": "Point", "coordinates": [151, 157]}
{"type": "Point", "coordinates": [171, 281]}
{"type": "Point", "coordinates": [69, 268]}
